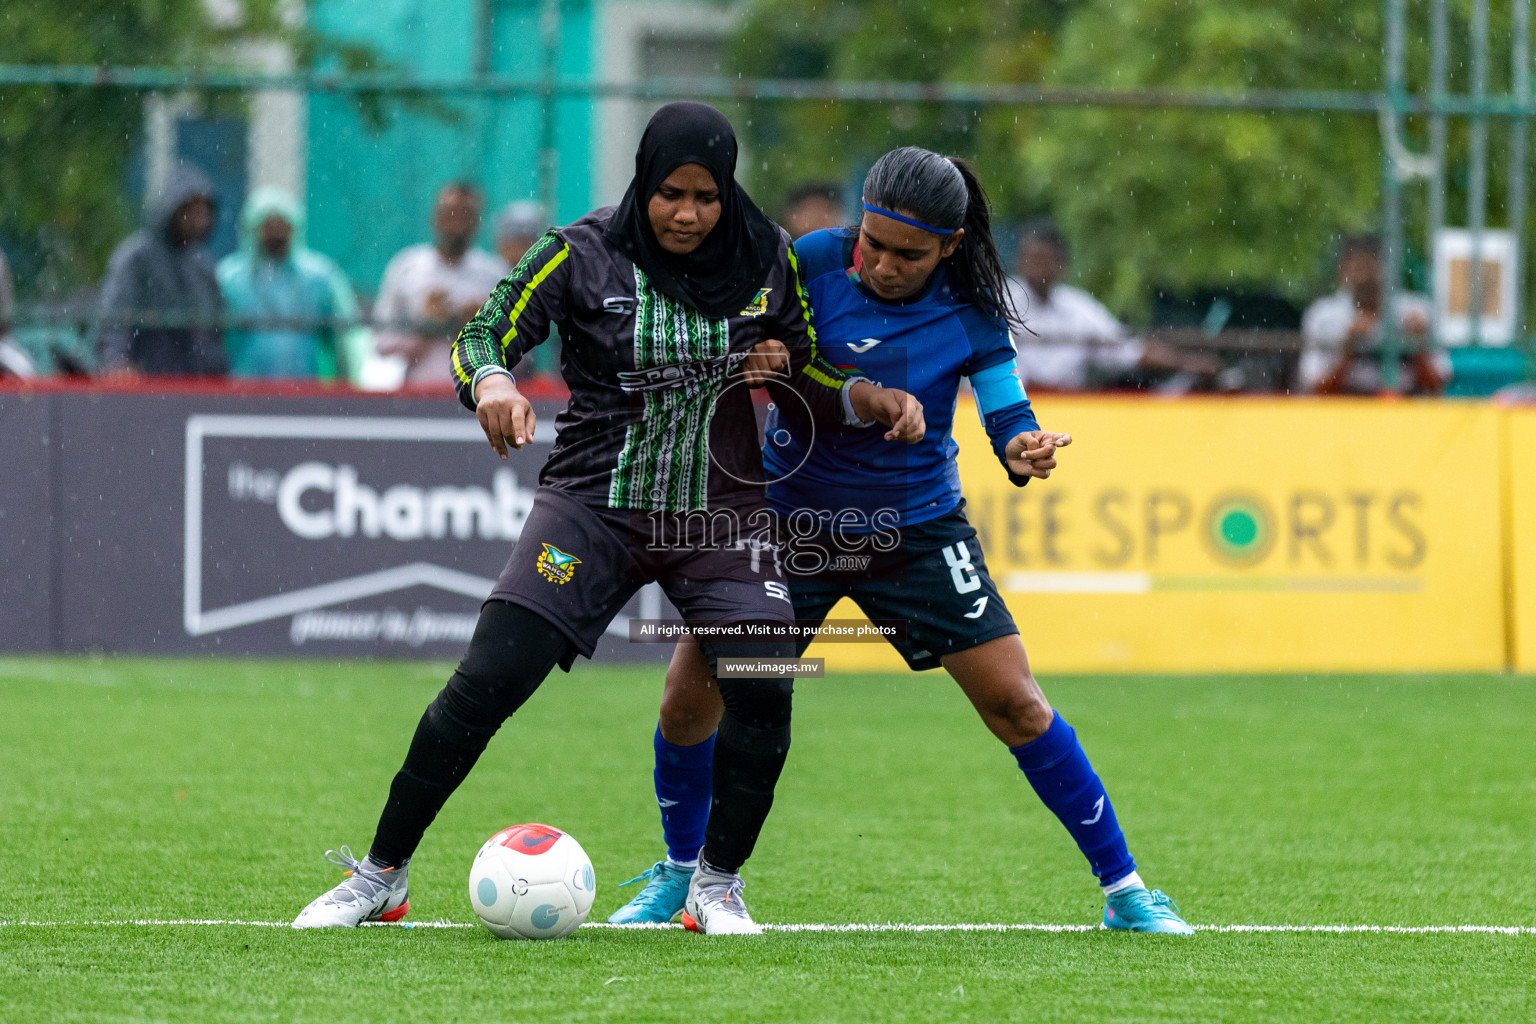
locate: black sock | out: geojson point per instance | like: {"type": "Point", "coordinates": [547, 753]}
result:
{"type": "Point", "coordinates": [750, 749]}
{"type": "Point", "coordinates": [513, 649]}
{"type": "Point", "coordinates": [748, 761]}
{"type": "Point", "coordinates": [440, 756]}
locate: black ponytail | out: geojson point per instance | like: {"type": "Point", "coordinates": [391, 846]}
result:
{"type": "Point", "coordinates": [977, 267]}
{"type": "Point", "coordinates": [943, 191]}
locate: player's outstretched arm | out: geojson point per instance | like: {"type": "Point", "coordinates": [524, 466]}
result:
{"type": "Point", "coordinates": [1033, 452]}
{"type": "Point", "coordinates": [504, 414]}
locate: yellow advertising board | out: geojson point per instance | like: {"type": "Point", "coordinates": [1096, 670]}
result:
{"type": "Point", "coordinates": [1248, 534]}
{"type": "Point", "coordinates": [1520, 535]}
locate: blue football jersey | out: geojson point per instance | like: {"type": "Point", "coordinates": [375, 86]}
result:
{"type": "Point", "coordinates": [924, 345]}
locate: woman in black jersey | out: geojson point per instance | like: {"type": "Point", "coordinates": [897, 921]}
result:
{"type": "Point", "coordinates": [661, 302]}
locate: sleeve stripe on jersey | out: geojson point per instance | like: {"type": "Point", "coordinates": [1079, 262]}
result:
{"type": "Point", "coordinates": [458, 367]}
{"type": "Point", "coordinates": [532, 254]}
{"type": "Point", "coordinates": [998, 387]}
{"type": "Point", "coordinates": [812, 370]}
{"type": "Point", "coordinates": [522, 301]}
{"type": "Point", "coordinates": [820, 377]}
{"type": "Point", "coordinates": [805, 299]}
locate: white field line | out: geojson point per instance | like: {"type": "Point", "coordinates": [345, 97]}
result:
{"type": "Point", "coordinates": [1330, 929]}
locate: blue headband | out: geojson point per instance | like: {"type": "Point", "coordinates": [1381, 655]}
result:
{"type": "Point", "coordinates": [908, 220]}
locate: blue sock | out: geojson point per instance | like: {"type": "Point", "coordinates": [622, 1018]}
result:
{"type": "Point", "coordinates": [683, 779]}
{"type": "Point", "coordinates": [1056, 766]}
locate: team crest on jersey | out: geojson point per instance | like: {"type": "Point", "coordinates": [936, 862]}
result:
{"type": "Point", "coordinates": [759, 305]}
{"type": "Point", "coordinates": [557, 566]}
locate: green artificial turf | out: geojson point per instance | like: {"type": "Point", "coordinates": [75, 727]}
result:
{"type": "Point", "coordinates": [209, 790]}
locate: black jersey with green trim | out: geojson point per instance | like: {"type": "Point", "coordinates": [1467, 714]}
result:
{"type": "Point", "coordinates": [658, 418]}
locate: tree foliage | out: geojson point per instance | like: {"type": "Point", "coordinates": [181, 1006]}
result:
{"type": "Point", "coordinates": [1149, 198]}
{"type": "Point", "coordinates": [890, 40]}
{"type": "Point", "coordinates": [64, 151]}
{"type": "Point", "coordinates": [1184, 198]}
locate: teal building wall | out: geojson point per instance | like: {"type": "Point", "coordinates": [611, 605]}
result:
{"type": "Point", "coordinates": [371, 181]}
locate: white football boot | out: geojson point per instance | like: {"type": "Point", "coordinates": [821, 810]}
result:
{"type": "Point", "coordinates": [370, 893]}
{"type": "Point", "coordinates": [714, 905]}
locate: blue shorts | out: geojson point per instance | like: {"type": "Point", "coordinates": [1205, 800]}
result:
{"type": "Point", "coordinates": [934, 578]}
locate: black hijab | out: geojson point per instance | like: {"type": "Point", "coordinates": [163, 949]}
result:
{"type": "Point", "coordinates": [722, 276]}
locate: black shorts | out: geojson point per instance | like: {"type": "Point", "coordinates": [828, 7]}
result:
{"type": "Point", "coordinates": [934, 578]}
{"type": "Point", "coordinates": [577, 565]}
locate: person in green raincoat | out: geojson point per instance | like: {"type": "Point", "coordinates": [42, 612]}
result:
{"type": "Point", "coordinates": [290, 308]}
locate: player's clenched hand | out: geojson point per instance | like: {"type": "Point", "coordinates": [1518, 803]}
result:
{"type": "Point", "coordinates": [768, 360]}
{"type": "Point", "coordinates": [504, 414]}
{"type": "Point", "coordinates": [891, 406]}
{"type": "Point", "coordinates": [1033, 453]}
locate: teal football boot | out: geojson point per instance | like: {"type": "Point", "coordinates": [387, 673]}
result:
{"type": "Point", "coordinates": [1134, 909]}
{"type": "Point", "coordinates": [662, 898]}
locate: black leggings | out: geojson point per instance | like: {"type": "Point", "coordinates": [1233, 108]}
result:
{"type": "Point", "coordinates": [511, 653]}
{"type": "Point", "coordinates": [750, 749]}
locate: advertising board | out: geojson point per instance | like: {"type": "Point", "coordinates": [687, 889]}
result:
{"type": "Point", "coordinates": [1246, 535]}
{"type": "Point", "coordinates": [306, 527]}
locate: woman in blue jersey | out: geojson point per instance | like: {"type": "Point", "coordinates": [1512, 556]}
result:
{"type": "Point", "coordinates": [915, 298]}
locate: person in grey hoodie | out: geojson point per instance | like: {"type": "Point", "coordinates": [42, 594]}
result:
{"type": "Point", "coordinates": [160, 306]}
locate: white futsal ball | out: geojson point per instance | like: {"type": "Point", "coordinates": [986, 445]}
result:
{"type": "Point", "coordinates": [531, 882]}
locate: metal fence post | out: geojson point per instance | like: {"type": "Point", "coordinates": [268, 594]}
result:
{"type": "Point", "coordinates": [483, 26]}
{"type": "Point", "coordinates": [1520, 85]}
{"type": "Point", "coordinates": [1477, 169]}
{"type": "Point", "coordinates": [549, 156]}
{"type": "Point", "coordinates": [1438, 45]}
{"type": "Point", "coordinates": [1391, 191]}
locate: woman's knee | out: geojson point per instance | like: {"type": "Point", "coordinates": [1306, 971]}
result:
{"type": "Point", "coordinates": [690, 702]}
{"type": "Point", "coordinates": [755, 702]}
{"type": "Point", "coordinates": [690, 712]}
{"type": "Point", "coordinates": [759, 703]}
{"type": "Point", "coordinates": [757, 717]}
{"type": "Point", "coordinates": [997, 679]}
{"type": "Point", "coordinates": [1014, 709]}
{"type": "Point", "coordinates": [512, 651]}
{"type": "Point", "coordinates": [1024, 711]}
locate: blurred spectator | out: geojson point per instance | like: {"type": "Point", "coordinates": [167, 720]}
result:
{"type": "Point", "coordinates": [1341, 333]}
{"type": "Point", "coordinates": [1516, 395]}
{"type": "Point", "coordinates": [518, 226]}
{"type": "Point", "coordinates": [813, 206]}
{"type": "Point", "coordinates": [160, 305]}
{"type": "Point", "coordinates": [302, 294]}
{"type": "Point", "coordinates": [1070, 341]}
{"type": "Point", "coordinates": [13, 361]}
{"type": "Point", "coordinates": [430, 291]}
